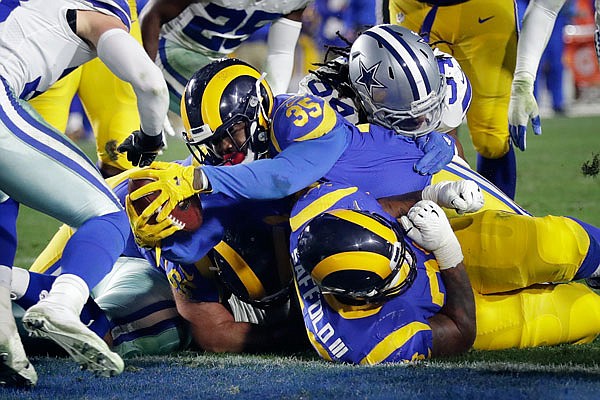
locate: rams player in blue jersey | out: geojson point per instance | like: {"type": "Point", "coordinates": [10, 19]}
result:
{"type": "Point", "coordinates": [41, 42]}
{"type": "Point", "coordinates": [243, 306]}
{"type": "Point", "coordinates": [374, 292]}
{"type": "Point", "coordinates": [308, 139]}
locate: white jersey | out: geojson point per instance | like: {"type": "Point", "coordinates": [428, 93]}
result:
{"type": "Point", "coordinates": [457, 100]}
{"type": "Point", "coordinates": [37, 46]}
{"type": "Point", "coordinates": [220, 26]}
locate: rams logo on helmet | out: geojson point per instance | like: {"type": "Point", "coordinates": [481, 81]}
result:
{"type": "Point", "coordinates": [356, 255]}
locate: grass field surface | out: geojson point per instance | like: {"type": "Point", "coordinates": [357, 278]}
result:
{"type": "Point", "coordinates": [550, 181]}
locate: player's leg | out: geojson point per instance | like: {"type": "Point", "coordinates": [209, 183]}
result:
{"type": "Point", "coordinates": [178, 65]}
{"type": "Point", "coordinates": [15, 368]}
{"type": "Point", "coordinates": [485, 44]}
{"type": "Point", "coordinates": [138, 301]}
{"type": "Point", "coordinates": [542, 315]}
{"type": "Point", "coordinates": [54, 104]}
{"type": "Point", "coordinates": [505, 251]}
{"type": "Point", "coordinates": [494, 198]}
{"type": "Point", "coordinates": [63, 183]}
{"type": "Point", "coordinates": [111, 107]}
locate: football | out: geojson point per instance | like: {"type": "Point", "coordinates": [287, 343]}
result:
{"type": "Point", "coordinates": [187, 214]}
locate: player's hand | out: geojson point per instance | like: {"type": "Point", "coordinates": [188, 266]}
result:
{"type": "Point", "coordinates": [141, 149]}
{"type": "Point", "coordinates": [428, 226]}
{"type": "Point", "coordinates": [146, 234]}
{"type": "Point", "coordinates": [439, 150]}
{"type": "Point", "coordinates": [463, 196]}
{"type": "Point", "coordinates": [173, 182]}
{"type": "Point", "coordinates": [521, 109]}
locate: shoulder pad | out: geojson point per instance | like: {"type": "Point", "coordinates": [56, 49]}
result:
{"type": "Point", "coordinates": [300, 118]}
{"type": "Point", "coordinates": [458, 91]}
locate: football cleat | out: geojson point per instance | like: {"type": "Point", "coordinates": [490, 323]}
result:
{"type": "Point", "coordinates": [15, 368]}
{"type": "Point", "coordinates": [60, 324]}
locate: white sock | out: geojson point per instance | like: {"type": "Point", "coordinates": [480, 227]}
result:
{"type": "Point", "coordinates": [69, 290]}
{"type": "Point", "coordinates": [5, 276]}
{"type": "Point", "coordinates": [19, 283]}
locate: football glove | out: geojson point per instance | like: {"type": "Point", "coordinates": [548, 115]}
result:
{"type": "Point", "coordinates": [146, 234]}
{"type": "Point", "coordinates": [439, 150]}
{"type": "Point", "coordinates": [173, 182]}
{"type": "Point", "coordinates": [141, 149]}
{"type": "Point", "coordinates": [522, 107]}
{"type": "Point", "coordinates": [428, 226]}
{"type": "Point", "coordinates": [463, 196]}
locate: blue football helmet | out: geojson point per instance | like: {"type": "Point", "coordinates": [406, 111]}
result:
{"type": "Point", "coordinates": [219, 96]}
{"type": "Point", "coordinates": [359, 257]}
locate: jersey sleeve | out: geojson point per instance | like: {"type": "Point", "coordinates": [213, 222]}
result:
{"type": "Point", "coordinates": [458, 92]}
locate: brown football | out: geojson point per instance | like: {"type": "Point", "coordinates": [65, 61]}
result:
{"type": "Point", "coordinates": [188, 213]}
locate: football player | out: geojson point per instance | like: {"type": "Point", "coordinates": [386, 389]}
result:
{"type": "Point", "coordinates": [309, 139]}
{"type": "Point", "coordinates": [538, 23]}
{"type": "Point", "coordinates": [215, 287]}
{"type": "Point", "coordinates": [109, 102]}
{"type": "Point", "coordinates": [482, 36]}
{"type": "Point", "coordinates": [41, 42]}
{"type": "Point", "coordinates": [371, 293]}
{"type": "Point", "coordinates": [225, 296]}
{"type": "Point", "coordinates": [184, 35]}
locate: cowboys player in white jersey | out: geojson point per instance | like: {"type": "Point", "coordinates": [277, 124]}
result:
{"type": "Point", "coordinates": [184, 35]}
{"type": "Point", "coordinates": [41, 41]}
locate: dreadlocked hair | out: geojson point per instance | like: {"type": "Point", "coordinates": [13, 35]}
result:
{"type": "Point", "coordinates": [334, 71]}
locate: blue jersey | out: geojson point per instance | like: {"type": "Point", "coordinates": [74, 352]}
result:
{"type": "Point", "coordinates": [311, 142]}
{"type": "Point", "coordinates": [395, 331]}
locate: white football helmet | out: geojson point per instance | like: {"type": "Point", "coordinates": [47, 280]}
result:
{"type": "Point", "coordinates": [396, 76]}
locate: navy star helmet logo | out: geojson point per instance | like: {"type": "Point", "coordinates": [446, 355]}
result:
{"type": "Point", "coordinates": [367, 77]}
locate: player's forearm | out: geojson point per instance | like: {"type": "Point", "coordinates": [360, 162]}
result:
{"type": "Point", "coordinates": [454, 327]}
{"type": "Point", "coordinates": [126, 58]}
{"type": "Point", "coordinates": [538, 23]}
{"type": "Point", "coordinates": [281, 44]}
{"type": "Point", "coordinates": [150, 28]}
{"type": "Point", "coordinates": [398, 206]}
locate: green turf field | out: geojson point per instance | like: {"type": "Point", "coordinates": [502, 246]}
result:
{"type": "Point", "coordinates": [550, 182]}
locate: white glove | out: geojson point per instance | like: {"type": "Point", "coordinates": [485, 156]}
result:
{"type": "Point", "coordinates": [428, 226]}
{"type": "Point", "coordinates": [522, 108]}
{"type": "Point", "coordinates": [462, 196]}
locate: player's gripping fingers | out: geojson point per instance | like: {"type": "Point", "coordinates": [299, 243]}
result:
{"type": "Point", "coordinates": [438, 149]}
{"type": "Point", "coordinates": [410, 230]}
{"type": "Point", "coordinates": [469, 197]}
{"type": "Point", "coordinates": [536, 124]}
{"type": "Point", "coordinates": [517, 135]}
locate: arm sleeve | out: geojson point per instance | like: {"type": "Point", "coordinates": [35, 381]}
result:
{"type": "Point", "coordinates": [538, 23]}
{"type": "Point", "coordinates": [298, 166]}
{"type": "Point", "coordinates": [126, 58]}
{"type": "Point", "coordinates": [281, 43]}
